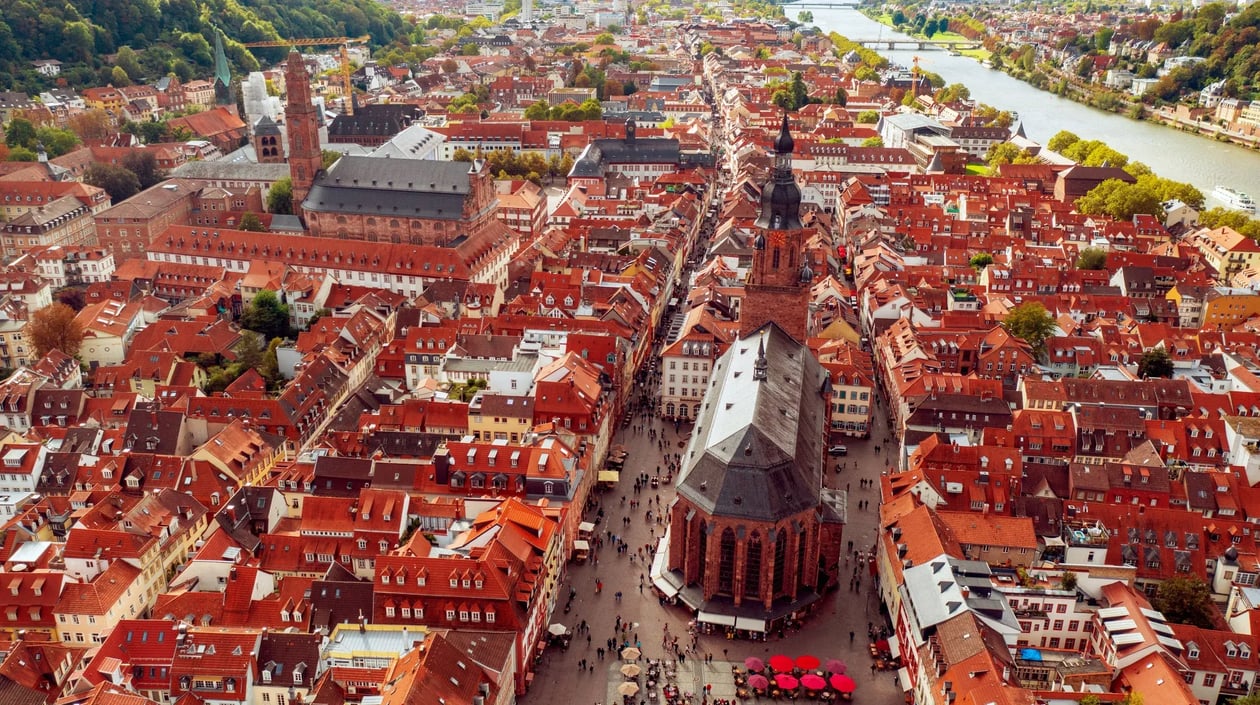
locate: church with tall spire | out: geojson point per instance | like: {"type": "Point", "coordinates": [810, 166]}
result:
{"type": "Point", "coordinates": [778, 286]}
{"type": "Point", "coordinates": [754, 537]}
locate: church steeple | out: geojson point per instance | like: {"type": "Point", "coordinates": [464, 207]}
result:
{"type": "Point", "coordinates": [303, 122]}
{"type": "Point", "coordinates": [781, 198]}
{"type": "Point", "coordinates": [779, 281]}
{"type": "Point", "coordinates": [222, 73]}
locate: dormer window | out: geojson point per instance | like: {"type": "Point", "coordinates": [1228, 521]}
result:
{"type": "Point", "coordinates": [454, 582]}
{"type": "Point", "coordinates": [1192, 650]}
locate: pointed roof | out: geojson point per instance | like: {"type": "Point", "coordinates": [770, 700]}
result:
{"type": "Point", "coordinates": [756, 451]}
{"type": "Point", "coordinates": [222, 72]}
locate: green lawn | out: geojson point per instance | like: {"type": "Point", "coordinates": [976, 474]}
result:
{"type": "Point", "coordinates": [977, 170]}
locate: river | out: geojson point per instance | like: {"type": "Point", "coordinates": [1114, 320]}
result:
{"type": "Point", "coordinates": [1203, 162]}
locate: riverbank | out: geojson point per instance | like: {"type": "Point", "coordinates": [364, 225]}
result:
{"type": "Point", "coordinates": [979, 54]}
{"type": "Point", "coordinates": [1070, 87]}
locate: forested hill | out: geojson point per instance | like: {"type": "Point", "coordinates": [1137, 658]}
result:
{"type": "Point", "coordinates": [166, 36]}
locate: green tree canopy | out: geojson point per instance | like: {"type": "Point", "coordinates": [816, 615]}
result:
{"type": "Point", "coordinates": [1186, 600]}
{"type": "Point", "coordinates": [980, 261]}
{"type": "Point", "coordinates": [1092, 258]}
{"type": "Point", "coordinates": [280, 197]}
{"type": "Point", "coordinates": [119, 182]}
{"type": "Point", "coordinates": [1062, 140]}
{"type": "Point", "coordinates": [867, 117]}
{"type": "Point", "coordinates": [1032, 323]}
{"type": "Point", "coordinates": [251, 221]}
{"type": "Point", "coordinates": [266, 315]}
{"type": "Point", "coordinates": [1155, 362]}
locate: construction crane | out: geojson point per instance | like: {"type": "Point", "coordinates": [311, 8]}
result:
{"type": "Point", "coordinates": [343, 42]}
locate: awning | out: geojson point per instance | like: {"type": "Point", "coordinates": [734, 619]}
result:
{"type": "Point", "coordinates": [609, 476]}
{"type": "Point", "coordinates": [720, 619]}
{"type": "Point", "coordinates": [903, 677]}
{"type": "Point", "coordinates": [586, 526]}
{"type": "Point", "coordinates": [893, 647]}
{"type": "Point", "coordinates": [581, 545]}
{"type": "Point", "coordinates": [750, 625]}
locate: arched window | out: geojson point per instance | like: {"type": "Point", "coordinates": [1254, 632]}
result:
{"type": "Point", "coordinates": [780, 555]}
{"type": "Point", "coordinates": [726, 563]}
{"type": "Point", "coordinates": [704, 550]}
{"type": "Point", "coordinates": [752, 567]}
{"type": "Point", "coordinates": [800, 556]}
{"type": "Point", "coordinates": [775, 260]}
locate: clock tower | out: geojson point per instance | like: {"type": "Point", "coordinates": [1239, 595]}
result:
{"type": "Point", "coordinates": [778, 286]}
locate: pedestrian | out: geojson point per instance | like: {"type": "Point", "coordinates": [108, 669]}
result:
{"type": "Point", "coordinates": [850, 636]}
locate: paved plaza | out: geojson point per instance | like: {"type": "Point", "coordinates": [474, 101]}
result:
{"type": "Point", "coordinates": [836, 629]}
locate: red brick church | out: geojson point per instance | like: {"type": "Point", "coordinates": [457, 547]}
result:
{"type": "Point", "coordinates": [754, 537]}
{"type": "Point", "coordinates": [378, 199]}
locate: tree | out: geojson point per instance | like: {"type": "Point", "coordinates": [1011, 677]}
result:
{"type": "Point", "coordinates": [266, 315]}
{"type": "Point", "coordinates": [1032, 323]}
{"type": "Point", "coordinates": [55, 327]}
{"type": "Point", "coordinates": [251, 222]}
{"type": "Point", "coordinates": [1253, 699]}
{"type": "Point", "coordinates": [119, 182]}
{"type": "Point", "coordinates": [119, 78]}
{"type": "Point", "coordinates": [1068, 581]}
{"type": "Point", "coordinates": [1155, 362]}
{"type": "Point", "coordinates": [605, 39]}
{"type": "Point", "coordinates": [270, 366]}
{"type": "Point", "coordinates": [21, 154]}
{"type": "Point", "coordinates": [867, 117]}
{"type": "Point", "coordinates": [56, 141]}
{"type": "Point", "coordinates": [1062, 140]}
{"type": "Point", "coordinates": [72, 297]}
{"type": "Point", "coordinates": [538, 111]}
{"type": "Point", "coordinates": [1092, 258]}
{"type": "Point", "coordinates": [980, 261]}
{"type": "Point", "coordinates": [1120, 200]}
{"type": "Point", "coordinates": [144, 165]}
{"type": "Point", "coordinates": [280, 197]}
{"type": "Point", "coordinates": [90, 125]}
{"type": "Point", "coordinates": [1006, 153]}
{"type": "Point", "coordinates": [931, 28]}
{"type": "Point", "coordinates": [249, 349]}
{"type": "Point", "coordinates": [20, 132]}
{"type": "Point", "coordinates": [1102, 38]}
{"type": "Point", "coordinates": [875, 141]}
{"type": "Point", "coordinates": [127, 60]}
{"type": "Point", "coordinates": [1186, 600]}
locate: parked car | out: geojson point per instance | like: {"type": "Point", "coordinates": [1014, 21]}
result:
{"type": "Point", "coordinates": [838, 450]}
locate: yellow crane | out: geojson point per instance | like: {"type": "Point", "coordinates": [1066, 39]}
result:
{"type": "Point", "coordinates": [343, 42]}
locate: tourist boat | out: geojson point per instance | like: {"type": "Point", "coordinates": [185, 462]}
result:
{"type": "Point", "coordinates": [1235, 199]}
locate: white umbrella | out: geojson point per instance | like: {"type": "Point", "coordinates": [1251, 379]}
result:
{"type": "Point", "coordinates": [628, 688]}
{"type": "Point", "coordinates": [557, 629]}
{"type": "Point", "coordinates": [630, 653]}
{"type": "Point", "coordinates": [630, 670]}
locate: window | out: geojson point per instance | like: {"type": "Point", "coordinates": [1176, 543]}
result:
{"type": "Point", "coordinates": [389, 610]}
{"type": "Point", "coordinates": [1209, 680]}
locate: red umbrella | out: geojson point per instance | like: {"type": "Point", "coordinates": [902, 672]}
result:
{"type": "Point", "coordinates": [786, 682]}
{"type": "Point", "coordinates": [758, 682]}
{"type": "Point", "coordinates": [780, 663]}
{"type": "Point", "coordinates": [835, 665]}
{"type": "Point", "coordinates": [753, 663]}
{"type": "Point", "coordinates": [813, 682]}
{"type": "Point", "coordinates": [807, 662]}
{"type": "Point", "coordinates": [843, 683]}
{"type": "Point", "coordinates": [882, 644]}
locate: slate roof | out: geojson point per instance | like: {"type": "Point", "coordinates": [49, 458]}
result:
{"type": "Point", "coordinates": [406, 188]}
{"type": "Point", "coordinates": [595, 159]}
{"type": "Point", "coordinates": [756, 452]}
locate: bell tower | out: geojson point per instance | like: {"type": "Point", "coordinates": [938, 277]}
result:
{"type": "Point", "coordinates": [303, 121]}
{"type": "Point", "coordinates": [779, 282]}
